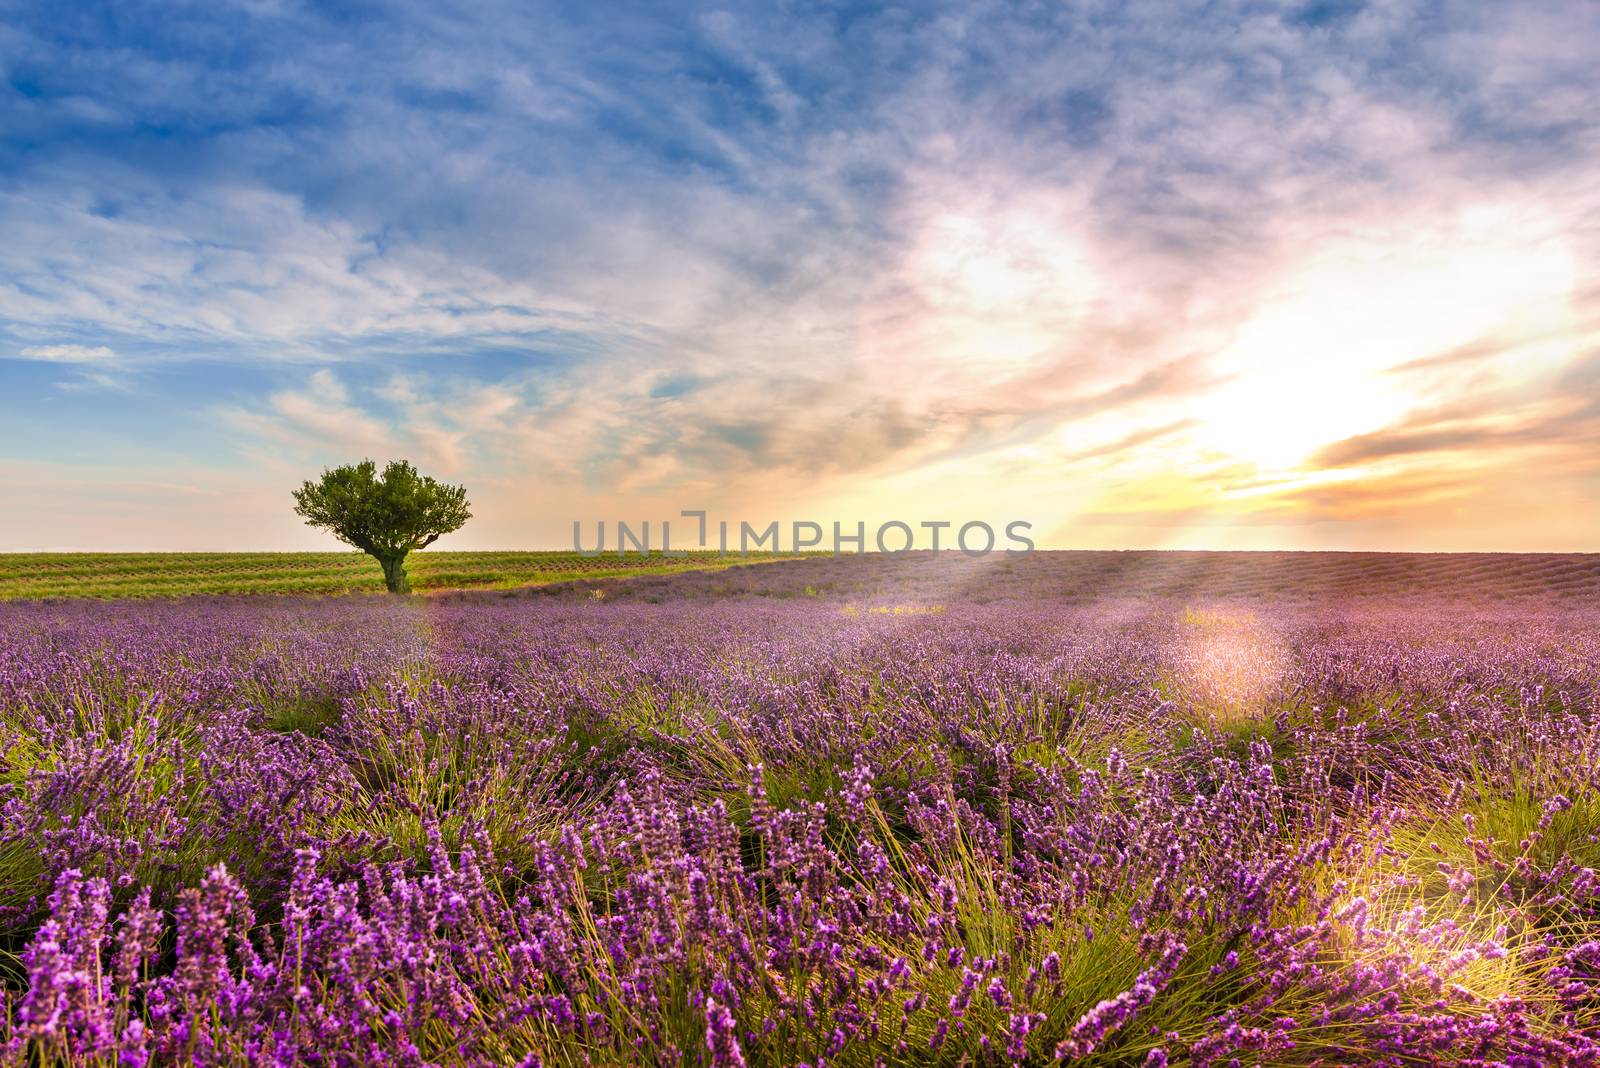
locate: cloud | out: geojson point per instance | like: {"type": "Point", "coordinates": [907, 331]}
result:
{"type": "Point", "coordinates": [95, 381]}
{"type": "Point", "coordinates": [317, 417]}
{"type": "Point", "coordinates": [1132, 441]}
{"type": "Point", "coordinates": [1566, 425]}
{"type": "Point", "coordinates": [754, 252]}
{"type": "Point", "coordinates": [69, 353]}
{"type": "Point", "coordinates": [1390, 496]}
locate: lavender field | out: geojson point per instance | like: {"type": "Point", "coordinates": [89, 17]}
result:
{"type": "Point", "coordinates": [1289, 810]}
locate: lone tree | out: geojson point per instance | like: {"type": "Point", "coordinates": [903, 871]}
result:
{"type": "Point", "coordinates": [385, 516]}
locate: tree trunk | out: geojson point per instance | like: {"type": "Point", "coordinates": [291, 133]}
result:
{"type": "Point", "coordinates": [394, 573]}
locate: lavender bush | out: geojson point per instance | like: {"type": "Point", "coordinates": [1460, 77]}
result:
{"type": "Point", "coordinates": [799, 831]}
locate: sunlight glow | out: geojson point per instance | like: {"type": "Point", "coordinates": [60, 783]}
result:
{"type": "Point", "coordinates": [1231, 663]}
{"type": "Point", "coordinates": [1312, 367]}
{"type": "Point", "coordinates": [983, 290]}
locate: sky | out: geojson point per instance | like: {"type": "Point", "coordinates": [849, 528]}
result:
{"type": "Point", "coordinates": [1320, 274]}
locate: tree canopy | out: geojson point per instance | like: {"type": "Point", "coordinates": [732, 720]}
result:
{"type": "Point", "coordinates": [386, 515]}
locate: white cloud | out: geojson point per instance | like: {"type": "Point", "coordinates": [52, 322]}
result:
{"type": "Point", "coordinates": [317, 419]}
{"type": "Point", "coordinates": [880, 248]}
{"type": "Point", "coordinates": [69, 353]}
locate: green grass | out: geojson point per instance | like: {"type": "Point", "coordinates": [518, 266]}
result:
{"type": "Point", "coordinates": [104, 575]}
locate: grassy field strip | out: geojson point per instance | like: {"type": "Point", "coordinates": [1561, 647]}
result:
{"type": "Point", "coordinates": [26, 576]}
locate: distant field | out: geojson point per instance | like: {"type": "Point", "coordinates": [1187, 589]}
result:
{"type": "Point", "coordinates": [106, 575]}
{"type": "Point", "coordinates": [1072, 576]}
{"type": "Point", "coordinates": [1082, 577]}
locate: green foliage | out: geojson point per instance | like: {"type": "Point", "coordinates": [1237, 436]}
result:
{"type": "Point", "coordinates": [384, 516]}
{"type": "Point", "coordinates": [310, 715]}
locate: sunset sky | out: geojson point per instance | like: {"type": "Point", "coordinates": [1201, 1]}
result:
{"type": "Point", "coordinates": [1233, 275]}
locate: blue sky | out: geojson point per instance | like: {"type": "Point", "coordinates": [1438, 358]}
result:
{"type": "Point", "coordinates": [1234, 274]}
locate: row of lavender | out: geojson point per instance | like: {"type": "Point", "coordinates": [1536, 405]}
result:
{"type": "Point", "coordinates": [501, 832]}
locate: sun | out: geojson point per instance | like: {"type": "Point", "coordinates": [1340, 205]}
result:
{"type": "Point", "coordinates": [1317, 363]}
